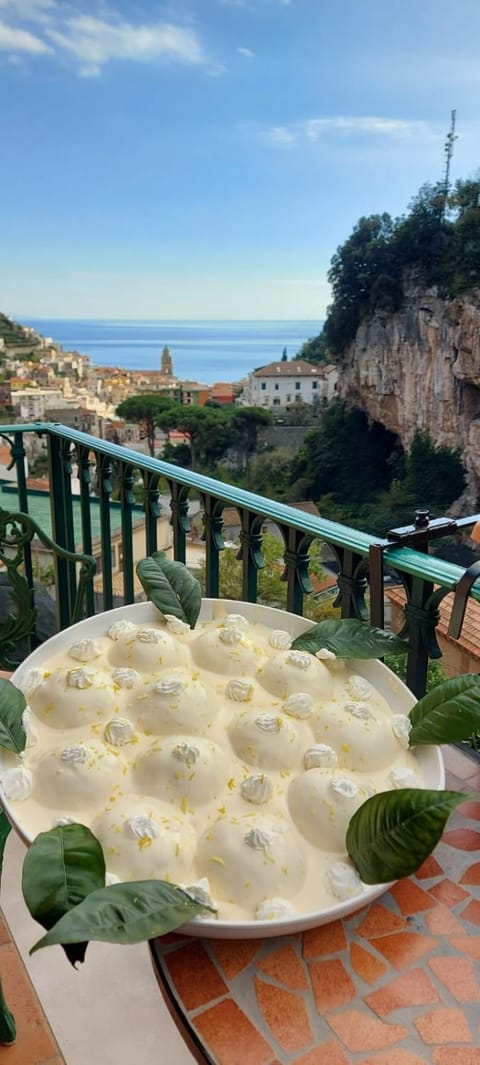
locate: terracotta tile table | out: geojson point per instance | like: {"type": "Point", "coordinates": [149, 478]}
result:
{"type": "Point", "coordinates": [396, 984]}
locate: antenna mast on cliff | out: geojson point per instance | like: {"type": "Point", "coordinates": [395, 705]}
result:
{"type": "Point", "coordinates": [448, 150]}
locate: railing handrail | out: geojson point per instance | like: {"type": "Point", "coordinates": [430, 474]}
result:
{"type": "Point", "coordinates": [405, 559]}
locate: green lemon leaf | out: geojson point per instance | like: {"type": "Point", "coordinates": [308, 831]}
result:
{"type": "Point", "coordinates": [170, 587]}
{"type": "Point", "coordinates": [61, 868]}
{"type": "Point", "coordinates": [5, 828]}
{"type": "Point", "coordinates": [449, 713]}
{"type": "Point", "coordinates": [12, 705]}
{"type": "Point", "coordinates": [124, 913]}
{"type": "Point", "coordinates": [350, 638]}
{"type": "Point", "coordinates": [392, 833]}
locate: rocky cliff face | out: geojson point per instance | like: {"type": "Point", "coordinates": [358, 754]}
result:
{"type": "Point", "coordinates": [420, 368]}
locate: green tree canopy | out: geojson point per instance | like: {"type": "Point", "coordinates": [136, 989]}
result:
{"type": "Point", "coordinates": [437, 242]}
{"type": "Point", "coordinates": [246, 423]}
{"type": "Point", "coordinates": [207, 430]}
{"type": "Point", "coordinates": [144, 410]}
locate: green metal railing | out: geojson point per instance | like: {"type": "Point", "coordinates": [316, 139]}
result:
{"type": "Point", "coordinates": [361, 558]}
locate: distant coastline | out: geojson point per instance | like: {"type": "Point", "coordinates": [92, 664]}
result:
{"type": "Point", "coordinates": [202, 350]}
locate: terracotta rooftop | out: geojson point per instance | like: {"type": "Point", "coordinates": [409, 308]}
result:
{"type": "Point", "coordinates": [469, 639]}
{"type": "Point", "coordinates": [300, 368]}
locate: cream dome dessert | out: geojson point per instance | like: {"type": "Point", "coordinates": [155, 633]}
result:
{"type": "Point", "coordinates": [82, 773]}
{"type": "Point", "coordinates": [186, 770]}
{"type": "Point", "coordinates": [288, 672]}
{"type": "Point", "coordinates": [248, 858]}
{"type": "Point", "coordinates": [322, 801]}
{"type": "Point", "coordinates": [221, 758]}
{"type": "Point", "coordinates": [175, 702]}
{"type": "Point", "coordinates": [73, 697]}
{"type": "Point", "coordinates": [143, 838]}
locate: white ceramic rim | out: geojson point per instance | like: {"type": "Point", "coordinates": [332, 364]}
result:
{"type": "Point", "coordinates": [385, 681]}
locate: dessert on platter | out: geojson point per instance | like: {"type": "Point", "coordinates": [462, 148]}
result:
{"type": "Point", "coordinates": [218, 758]}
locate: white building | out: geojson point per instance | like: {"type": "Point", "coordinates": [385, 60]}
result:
{"type": "Point", "coordinates": [284, 384]}
{"type": "Point", "coordinates": [32, 403]}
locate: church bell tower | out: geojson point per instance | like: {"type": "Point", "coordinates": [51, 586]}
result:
{"type": "Point", "coordinates": [166, 364]}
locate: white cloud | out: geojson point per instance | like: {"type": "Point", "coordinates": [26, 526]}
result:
{"type": "Point", "coordinates": [246, 52]}
{"type": "Point", "coordinates": [279, 137]}
{"type": "Point", "coordinates": [30, 10]}
{"type": "Point", "coordinates": [340, 126]}
{"type": "Point", "coordinates": [16, 40]}
{"type": "Point", "coordinates": [95, 42]}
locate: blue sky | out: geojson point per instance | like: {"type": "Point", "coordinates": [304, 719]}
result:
{"type": "Point", "coordinates": [204, 158]}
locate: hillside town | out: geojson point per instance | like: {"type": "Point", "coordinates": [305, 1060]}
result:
{"type": "Point", "coordinates": [40, 381]}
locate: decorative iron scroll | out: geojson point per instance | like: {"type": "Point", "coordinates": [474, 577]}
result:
{"type": "Point", "coordinates": [17, 530]}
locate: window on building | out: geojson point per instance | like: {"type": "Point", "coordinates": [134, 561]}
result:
{"type": "Point", "coordinates": [289, 399]}
{"type": "Point", "coordinates": [314, 384]}
{"type": "Point", "coordinates": [263, 386]}
{"type": "Point", "coordinates": [298, 385]}
{"type": "Point", "coordinates": [277, 386]}
{"type": "Point", "coordinates": [298, 399]}
{"type": "Point", "coordinates": [276, 401]}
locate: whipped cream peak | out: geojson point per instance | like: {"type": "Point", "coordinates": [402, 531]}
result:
{"type": "Point", "coordinates": [344, 788]}
{"type": "Point", "coordinates": [236, 621]}
{"type": "Point", "coordinates": [186, 752]}
{"type": "Point", "coordinates": [358, 710]}
{"type": "Point", "coordinates": [401, 728]}
{"type": "Point", "coordinates": [119, 629]}
{"type": "Point", "coordinates": [74, 754]}
{"type": "Point", "coordinates": [258, 839]}
{"type": "Point", "coordinates": [125, 677]}
{"type": "Point", "coordinates": [299, 705]}
{"type": "Point", "coordinates": [357, 687]}
{"type": "Point", "coordinates": [119, 731]}
{"type": "Point", "coordinates": [80, 677]}
{"type": "Point", "coordinates": [239, 690]}
{"type": "Point", "coordinates": [30, 682]}
{"type": "Point", "coordinates": [268, 723]}
{"type": "Point", "coordinates": [169, 687]}
{"type": "Point", "coordinates": [176, 626]}
{"type": "Point", "coordinates": [231, 635]}
{"type": "Point", "coordinates": [324, 655]}
{"type": "Point", "coordinates": [300, 659]}
{"type": "Point", "coordinates": [62, 822]}
{"type": "Point", "coordinates": [148, 636]}
{"type": "Point", "coordinates": [27, 725]}
{"type": "Point", "coordinates": [403, 778]}
{"type": "Point", "coordinates": [257, 789]}
{"type": "Point", "coordinates": [343, 881]}
{"type": "Point", "coordinates": [141, 827]}
{"type": "Point", "coordinates": [274, 909]}
{"type": "Point", "coordinates": [16, 783]}
{"type": "Point", "coordinates": [200, 892]}
{"type": "Point", "coordinates": [320, 756]}
{"type": "Point", "coordinates": [280, 640]}
{"type": "Point", "coordinates": [84, 650]}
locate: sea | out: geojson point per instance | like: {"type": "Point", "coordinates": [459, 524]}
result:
{"type": "Point", "coordinates": [205, 351]}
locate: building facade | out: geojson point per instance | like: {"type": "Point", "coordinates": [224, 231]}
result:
{"type": "Point", "coordinates": [286, 384]}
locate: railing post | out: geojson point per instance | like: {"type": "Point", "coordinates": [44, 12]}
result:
{"type": "Point", "coordinates": [179, 519]}
{"type": "Point", "coordinates": [83, 458]}
{"type": "Point", "coordinates": [421, 620]}
{"type": "Point", "coordinates": [127, 500]}
{"type": "Point", "coordinates": [351, 587]}
{"type": "Point", "coordinates": [151, 507]}
{"type": "Point", "coordinates": [213, 524]}
{"type": "Point", "coordinates": [250, 553]}
{"type": "Point", "coordinates": [18, 453]}
{"type": "Point", "coordinates": [296, 559]}
{"type": "Point", "coordinates": [64, 602]}
{"type": "Point", "coordinates": [104, 473]}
